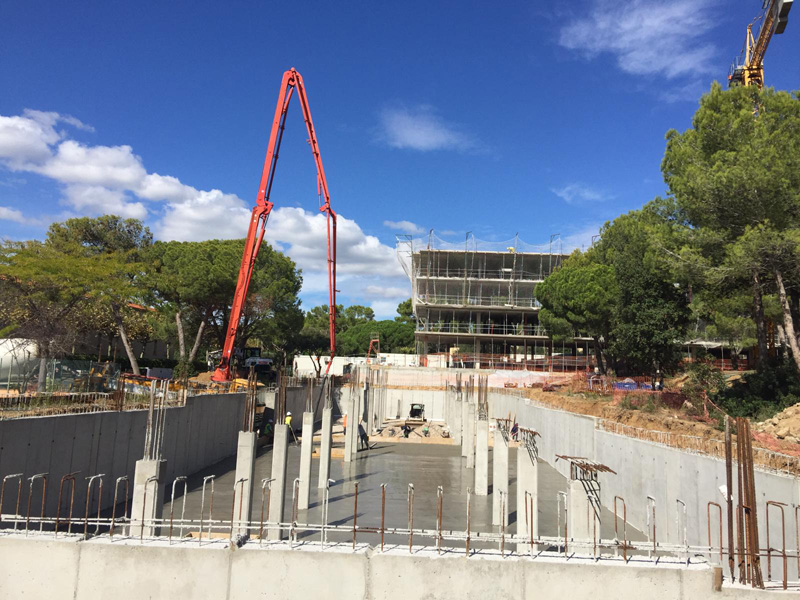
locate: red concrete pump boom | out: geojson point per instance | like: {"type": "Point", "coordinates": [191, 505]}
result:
{"type": "Point", "coordinates": [258, 221]}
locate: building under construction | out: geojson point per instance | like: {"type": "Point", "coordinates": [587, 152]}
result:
{"type": "Point", "coordinates": [474, 303]}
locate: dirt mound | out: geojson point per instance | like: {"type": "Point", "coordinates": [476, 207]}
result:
{"type": "Point", "coordinates": [202, 377]}
{"type": "Point", "coordinates": [784, 426]}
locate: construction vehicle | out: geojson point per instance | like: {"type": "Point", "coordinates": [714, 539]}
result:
{"type": "Point", "coordinates": [292, 81]}
{"type": "Point", "coordinates": [748, 68]}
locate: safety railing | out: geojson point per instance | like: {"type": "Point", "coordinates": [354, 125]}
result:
{"type": "Point", "coordinates": [502, 274]}
{"type": "Point", "coordinates": [476, 301]}
{"type": "Point", "coordinates": [23, 501]}
{"type": "Point", "coordinates": [482, 329]}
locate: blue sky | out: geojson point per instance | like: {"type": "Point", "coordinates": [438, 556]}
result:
{"type": "Point", "coordinates": [497, 118]}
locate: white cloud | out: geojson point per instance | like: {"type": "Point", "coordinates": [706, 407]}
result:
{"type": "Point", "coordinates": [109, 166]}
{"type": "Point", "coordinates": [387, 292]}
{"type": "Point", "coordinates": [577, 193]}
{"type": "Point", "coordinates": [13, 215]}
{"type": "Point", "coordinates": [99, 179]}
{"type": "Point", "coordinates": [304, 235]}
{"type": "Point", "coordinates": [404, 226]}
{"type": "Point", "coordinates": [420, 128]}
{"type": "Point", "coordinates": [647, 37]}
{"type": "Point", "coordinates": [96, 199]}
{"type": "Point", "coordinates": [581, 239]}
{"type": "Point", "coordinates": [385, 309]}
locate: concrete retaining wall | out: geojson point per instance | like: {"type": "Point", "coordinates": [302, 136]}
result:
{"type": "Point", "coordinates": [646, 469]}
{"type": "Point", "coordinates": [196, 435]}
{"type": "Point", "coordinates": [51, 569]}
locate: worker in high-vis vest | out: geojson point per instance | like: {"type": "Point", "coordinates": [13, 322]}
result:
{"type": "Point", "coordinates": [288, 420]}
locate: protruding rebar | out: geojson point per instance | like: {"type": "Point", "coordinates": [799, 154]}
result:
{"type": "Point", "coordinates": [99, 503]}
{"type": "Point", "coordinates": [266, 489]}
{"type": "Point", "coordinates": [355, 514]}
{"type": "Point", "coordinates": [71, 478]}
{"type": "Point", "coordinates": [383, 512]}
{"type": "Point", "coordinates": [114, 508]}
{"type": "Point", "coordinates": [206, 479]}
{"type": "Point", "coordinates": [410, 517]}
{"type": "Point", "coordinates": [43, 477]}
{"type": "Point", "coordinates": [172, 505]}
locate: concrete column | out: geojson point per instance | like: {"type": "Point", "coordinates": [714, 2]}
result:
{"type": "Point", "coordinates": [482, 459]}
{"type": "Point", "coordinates": [527, 481]}
{"type": "Point", "coordinates": [245, 469]}
{"type": "Point", "coordinates": [580, 514]}
{"type": "Point", "coordinates": [148, 495]}
{"type": "Point", "coordinates": [306, 449]}
{"type": "Point", "coordinates": [499, 478]}
{"type": "Point", "coordinates": [465, 424]}
{"type": "Point", "coordinates": [468, 439]}
{"type": "Point", "coordinates": [325, 448]}
{"type": "Point", "coordinates": [280, 450]}
{"type": "Point", "coordinates": [352, 425]}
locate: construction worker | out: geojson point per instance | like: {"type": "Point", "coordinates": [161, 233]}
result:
{"type": "Point", "coordinates": [288, 420]}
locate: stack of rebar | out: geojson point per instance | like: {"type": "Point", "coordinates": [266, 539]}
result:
{"type": "Point", "coordinates": [747, 546]}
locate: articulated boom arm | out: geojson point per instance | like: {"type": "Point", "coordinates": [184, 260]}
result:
{"type": "Point", "coordinates": [258, 221]}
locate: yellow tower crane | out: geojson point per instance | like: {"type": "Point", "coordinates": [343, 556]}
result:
{"type": "Point", "coordinates": [748, 68]}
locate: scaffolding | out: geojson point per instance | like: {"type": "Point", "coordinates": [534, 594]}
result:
{"type": "Point", "coordinates": [475, 300]}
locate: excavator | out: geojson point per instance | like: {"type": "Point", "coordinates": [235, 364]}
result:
{"type": "Point", "coordinates": [292, 82]}
{"type": "Point", "coordinates": [748, 68]}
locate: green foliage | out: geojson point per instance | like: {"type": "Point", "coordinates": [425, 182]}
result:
{"type": "Point", "coordinates": [405, 312]}
{"type": "Point", "coordinates": [761, 394]}
{"type": "Point", "coordinates": [704, 380]}
{"type": "Point", "coordinates": [198, 279]}
{"type": "Point", "coordinates": [394, 337]}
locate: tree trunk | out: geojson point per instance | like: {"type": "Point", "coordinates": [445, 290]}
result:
{"type": "Point", "coordinates": [598, 352]}
{"type": "Point", "coordinates": [123, 336]}
{"type": "Point", "coordinates": [761, 324]}
{"type": "Point", "coordinates": [181, 339]}
{"type": "Point", "coordinates": [198, 338]}
{"type": "Point", "coordinates": [788, 324]}
{"type": "Point", "coordinates": [41, 382]}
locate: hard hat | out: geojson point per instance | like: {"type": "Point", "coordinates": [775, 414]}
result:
{"type": "Point", "coordinates": [289, 413]}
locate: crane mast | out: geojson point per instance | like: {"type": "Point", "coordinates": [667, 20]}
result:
{"type": "Point", "coordinates": [750, 70]}
{"type": "Point", "coordinates": [292, 81]}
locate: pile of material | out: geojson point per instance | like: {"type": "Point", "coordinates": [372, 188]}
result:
{"type": "Point", "coordinates": [785, 425]}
